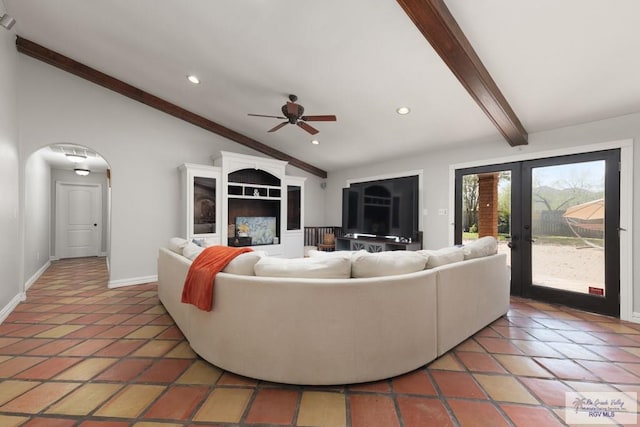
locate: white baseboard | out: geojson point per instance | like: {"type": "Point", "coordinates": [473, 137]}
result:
{"type": "Point", "coordinates": [635, 317]}
{"type": "Point", "coordinates": [36, 276]}
{"type": "Point", "coordinates": [7, 309]}
{"type": "Point", "coordinates": [132, 281]}
{"type": "Point", "coordinates": [56, 258]}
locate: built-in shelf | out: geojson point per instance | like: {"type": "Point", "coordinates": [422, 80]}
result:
{"type": "Point", "coordinates": [255, 190]}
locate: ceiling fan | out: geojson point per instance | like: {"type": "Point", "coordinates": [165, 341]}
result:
{"type": "Point", "coordinates": [293, 113]}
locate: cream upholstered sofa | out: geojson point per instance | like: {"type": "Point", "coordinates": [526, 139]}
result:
{"type": "Point", "coordinates": [312, 330]}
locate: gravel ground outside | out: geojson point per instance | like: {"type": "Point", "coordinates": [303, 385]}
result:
{"type": "Point", "coordinates": [565, 267]}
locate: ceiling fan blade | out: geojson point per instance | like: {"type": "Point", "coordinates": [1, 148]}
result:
{"type": "Point", "coordinates": [308, 128]}
{"type": "Point", "coordinates": [263, 115]}
{"type": "Point", "coordinates": [278, 126]}
{"type": "Point", "coordinates": [292, 108]}
{"type": "Point", "coordinates": [325, 118]}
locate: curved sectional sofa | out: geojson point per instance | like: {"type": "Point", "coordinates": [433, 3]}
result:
{"type": "Point", "coordinates": [321, 331]}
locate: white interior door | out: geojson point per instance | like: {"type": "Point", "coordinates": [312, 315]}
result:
{"type": "Point", "coordinates": [78, 220]}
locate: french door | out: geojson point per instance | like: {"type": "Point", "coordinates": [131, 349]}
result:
{"type": "Point", "coordinates": [557, 219]}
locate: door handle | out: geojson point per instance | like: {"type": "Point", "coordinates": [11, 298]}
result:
{"type": "Point", "coordinates": [511, 241]}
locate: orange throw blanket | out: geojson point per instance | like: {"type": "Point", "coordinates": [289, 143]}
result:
{"type": "Point", "coordinates": [198, 286]}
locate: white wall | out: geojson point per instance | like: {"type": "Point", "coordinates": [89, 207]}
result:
{"type": "Point", "coordinates": [37, 199]}
{"type": "Point", "coordinates": [10, 246]}
{"type": "Point", "coordinates": [143, 147]}
{"type": "Point", "coordinates": [69, 176]}
{"type": "Point", "coordinates": [314, 199]}
{"type": "Point", "coordinates": [436, 192]}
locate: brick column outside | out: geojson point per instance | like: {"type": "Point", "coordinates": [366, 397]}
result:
{"type": "Point", "coordinates": [488, 204]}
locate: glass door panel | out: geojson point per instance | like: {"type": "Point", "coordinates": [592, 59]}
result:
{"type": "Point", "coordinates": [570, 242]}
{"type": "Point", "coordinates": [486, 208]}
{"type": "Point", "coordinates": [567, 225]}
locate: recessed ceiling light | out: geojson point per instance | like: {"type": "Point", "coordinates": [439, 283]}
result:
{"type": "Point", "coordinates": [403, 110]}
{"type": "Point", "coordinates": [75, 158]}
{"type": "Point", "coordinates": [315, 142]}
{"type": "Point", "coordinates": [193, 79]}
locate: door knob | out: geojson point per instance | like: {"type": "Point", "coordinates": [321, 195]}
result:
{"type": "Point", "coordinates": [95, 225]}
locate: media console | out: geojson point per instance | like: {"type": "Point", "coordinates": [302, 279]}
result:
{"type": "Point", "coordinates": [375, 244]}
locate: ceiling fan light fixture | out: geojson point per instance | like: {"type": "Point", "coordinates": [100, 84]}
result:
{"type": "Point", "coordinates": [294, 114]}
{"type": "Point", "coordinates": [75, 158]}
{"type": "Point", "coordinates": [403, 110]}
{"type": "Point", "coordinates": [193, 79]}
{"type": "Point", "coordinates": [315, 142]}
{"type": "Point", "coordinates": [82, 171]}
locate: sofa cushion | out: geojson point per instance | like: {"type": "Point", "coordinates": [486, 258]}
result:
{"type": "Point", "coordinates": [177, 244]}
{"type": "Point", "coordinates": [191, 250]}
{"type": "Point", "coordinates": [333, 254]}
{"type": "Point", "coordinates": [482, 247]}
{"type": "Point", "coordinates": [364, 264]}
{"type": "Point", "coordinates": [436, 258]}
{"type": "Point", "coordinates": [244, 264]}
{"type": "Point", "coordinates": [325, 268]}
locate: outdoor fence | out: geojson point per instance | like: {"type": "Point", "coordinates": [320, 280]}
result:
{"type": "Point", "coordinates": [552, 223]}
{"type": "Point", "coordinates": [545, 223]}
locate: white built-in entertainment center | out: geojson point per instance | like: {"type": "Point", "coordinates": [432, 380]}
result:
{"type": "Point", "coordinates": [244, 200]}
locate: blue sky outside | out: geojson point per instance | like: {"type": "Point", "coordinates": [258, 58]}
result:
{"type": "Point", "coordinates": [585, 175]}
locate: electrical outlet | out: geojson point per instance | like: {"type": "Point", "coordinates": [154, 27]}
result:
{"type": "Point", "coordinates": [442, 212]}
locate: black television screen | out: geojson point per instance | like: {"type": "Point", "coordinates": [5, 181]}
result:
{"type": "Point", "coordinates": [386, 207]}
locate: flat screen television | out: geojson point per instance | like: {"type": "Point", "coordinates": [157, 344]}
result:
{"type": "Point", "coordinates": [261, 229]}
{"type": "Point", "coordinates": [387, 207]}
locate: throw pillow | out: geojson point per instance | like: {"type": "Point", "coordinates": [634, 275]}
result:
{"type": "Point", "coordinates": [177, 244]}
{"type": "Point", "coordinates": [191, 250]}
{"type": "Point", "coordinates": [319, 268]}
{"type": "Point", "coordinates": [244, 264]}
{"type": "Point", "coordinates": [482, 247]}
{"type": "Point", "coordinates": [442, 256]}
{"type": "Point", "coordinates": [364, 264]}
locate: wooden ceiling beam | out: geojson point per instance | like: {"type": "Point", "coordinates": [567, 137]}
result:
{"type": "Point", "coordinates": [74, 67]}
{"type": "Point", "coordinates": [435, 22]}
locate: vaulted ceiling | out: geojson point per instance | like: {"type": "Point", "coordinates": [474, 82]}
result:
{"type": "Point", "coordinates": [469, 71]}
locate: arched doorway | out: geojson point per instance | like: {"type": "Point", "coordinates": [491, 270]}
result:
{"type": "Point", "coordinates": [78, 175]}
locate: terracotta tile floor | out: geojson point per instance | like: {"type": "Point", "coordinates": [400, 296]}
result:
{"type": "Point", "coordinates": [79, 354]}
